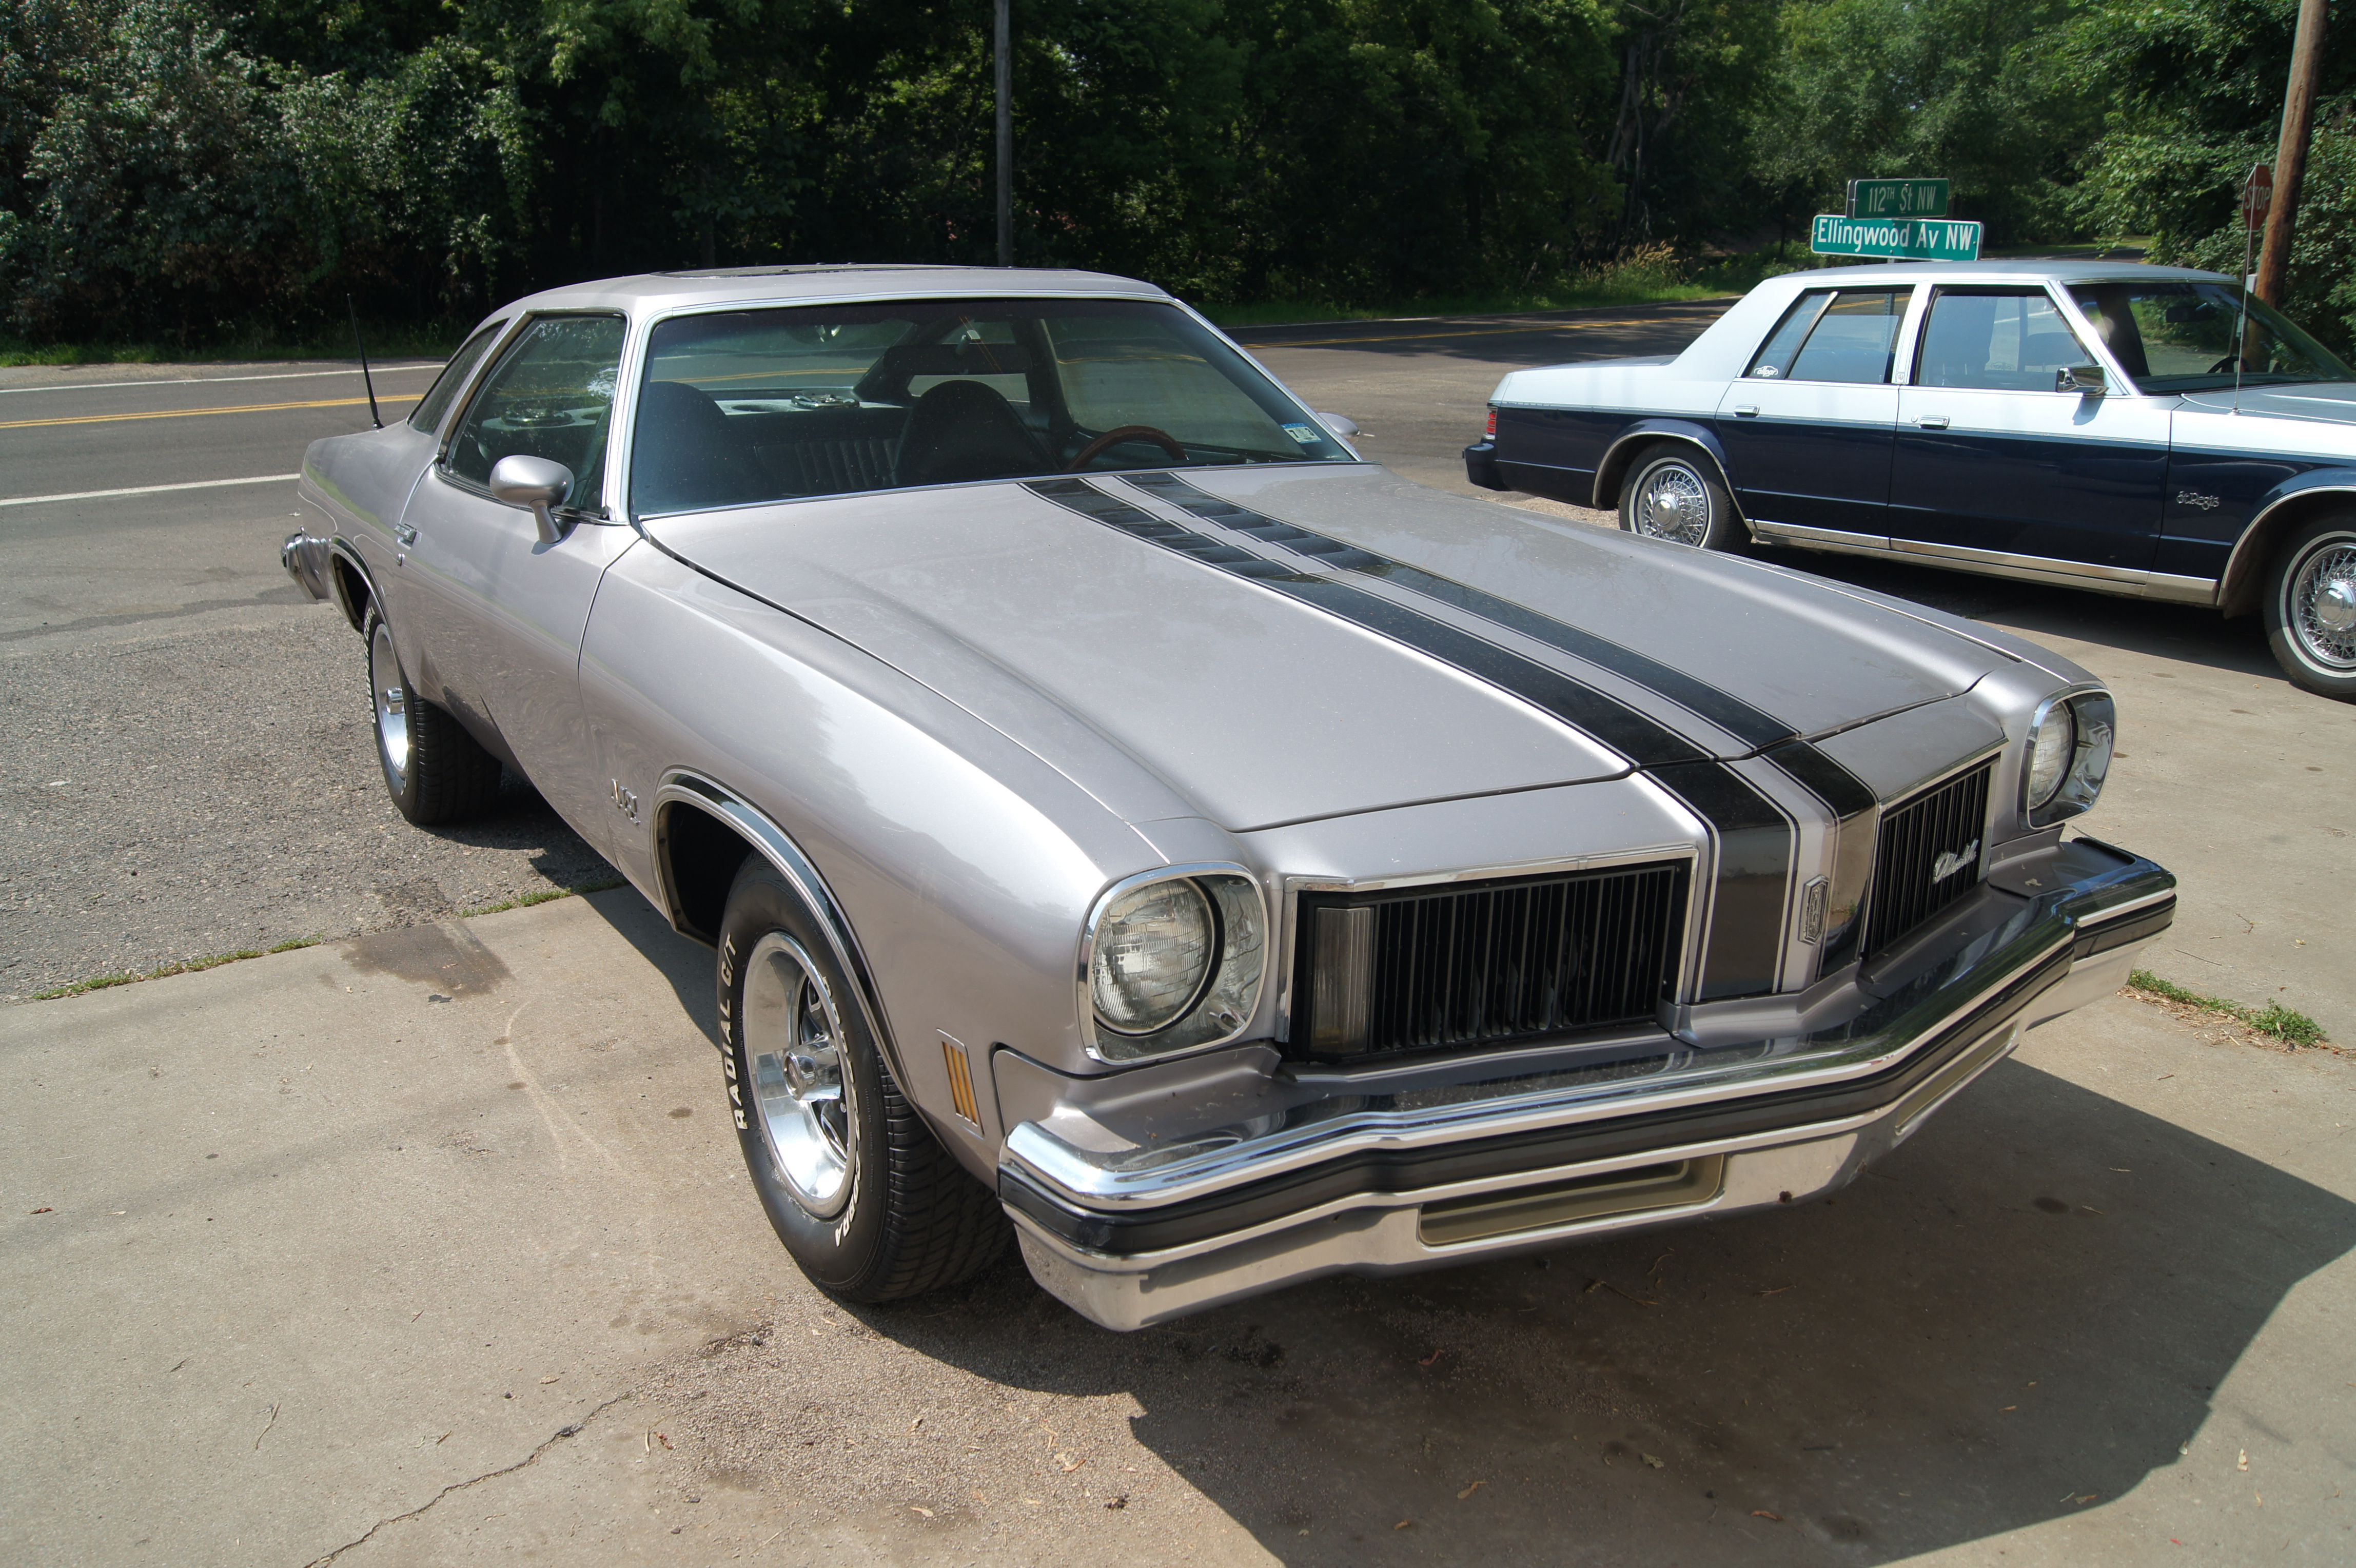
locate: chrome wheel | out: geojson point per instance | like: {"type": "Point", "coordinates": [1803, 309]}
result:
{"type": "Point", "coordinates": [391, 707]}
{"type": "Point", "coordinates": [1673, 503]}
{"type": "Point", "coordinates": [2319, 605]}
{"type": "Point", "coordinates": [793, 1047]}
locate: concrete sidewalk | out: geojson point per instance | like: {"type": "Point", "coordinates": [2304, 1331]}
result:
{"type": "Point", "coordinates": [434, 1245]}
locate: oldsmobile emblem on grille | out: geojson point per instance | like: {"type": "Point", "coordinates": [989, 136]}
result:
{"type": "Point", "coordinates": [1952, 861]}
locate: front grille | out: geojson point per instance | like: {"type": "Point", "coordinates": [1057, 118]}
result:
{"type": "Point", "coordinates": [1938, 830]}
{"type": "Point", "coordinates": [1468, 964]}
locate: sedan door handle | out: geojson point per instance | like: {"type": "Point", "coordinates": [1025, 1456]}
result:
{"type": "Point", "coordinates": [1746, 410]}
{"type": "Point", "coordinates": [1932, 421]}
{"type": "Point", "coordinates": [406, 534]}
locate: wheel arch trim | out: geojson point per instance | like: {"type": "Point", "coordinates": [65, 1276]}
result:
{"type": "Point", "coordinates": [340, 553]}
{"type": "Point", "coordinates": [684, 789]}
{"type": "Point", "coordinates": [1629, 441]}
{"type": "Point", "coordinates": [2279, 509]}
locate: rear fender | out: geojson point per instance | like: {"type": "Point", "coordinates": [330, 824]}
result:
{"type": "Point", "coordinates": [1644, 432]}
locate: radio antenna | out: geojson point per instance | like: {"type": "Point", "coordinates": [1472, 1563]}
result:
{"type": "Point", "coordinates": [365, 379]}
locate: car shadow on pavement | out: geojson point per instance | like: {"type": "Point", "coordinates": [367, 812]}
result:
{"type": "Point", "coordinates": [2021, 1313]}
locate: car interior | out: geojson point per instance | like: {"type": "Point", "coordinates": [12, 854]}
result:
{"type": "Point", "coordinates": [752, 406]}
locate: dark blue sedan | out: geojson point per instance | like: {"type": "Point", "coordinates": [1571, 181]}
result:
{"type": "Point", "coordinates": [2135, 430]}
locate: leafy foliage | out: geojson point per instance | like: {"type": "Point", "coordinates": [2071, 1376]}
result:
{"type": "Point", "coordinates": [192, 169]}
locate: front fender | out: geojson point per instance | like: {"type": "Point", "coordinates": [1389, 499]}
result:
{"type": "Point", "coordinates": [2277, 511]}
{"type": "Point", "coordinates": [963, 865]}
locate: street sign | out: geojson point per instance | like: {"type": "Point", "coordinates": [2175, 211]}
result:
{"type": "Point", "coordinates": [2257, 195]}
{"type": "Point", "coordinates": [1897, 198]}
{"type": "Point", "coordinates": [1911, 239]}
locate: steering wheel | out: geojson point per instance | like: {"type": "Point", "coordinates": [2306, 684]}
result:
{"type": "Point", "coordinates": [1114, 437]}
{"type": "Point", "coordinates": [2227, 363]}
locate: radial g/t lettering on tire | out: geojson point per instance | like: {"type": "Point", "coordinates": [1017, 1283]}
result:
{"type": "Point", "coordinates": [854, 1183]}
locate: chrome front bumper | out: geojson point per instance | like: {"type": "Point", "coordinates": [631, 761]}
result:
{"type": "Point", "coordinates": [1132, 1218]}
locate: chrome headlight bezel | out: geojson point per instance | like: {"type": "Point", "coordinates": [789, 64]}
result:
{"type": "Point", "coordinates": [2094, 719]}
{"type": "Point", "coordinates": [1228, 995]}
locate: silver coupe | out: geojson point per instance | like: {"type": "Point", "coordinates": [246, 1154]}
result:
{"type": "Point", "coordinates": [1129, 820]}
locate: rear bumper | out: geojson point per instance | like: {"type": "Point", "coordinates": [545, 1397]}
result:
{"type": "Point", "coordinates": [1481, 466]}
{"type": "Point", "coordinates": [305, 560]}
{"type": "Point", "coordinates": [1387, 1183]}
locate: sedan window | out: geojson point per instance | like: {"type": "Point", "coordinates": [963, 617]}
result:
{"type": "Point", "coordinates": [549, 397]}
{"type": "Point", "coordinates": [759, 406]}
{"type": "Point", "coordinates": [2179, 336]}
{"type": "Point", "coordinates": [1835, 335]}
{"type": "Point", "coordinates": [2001, 339]}
{"type": "Point", "coordinates": [428, 412]}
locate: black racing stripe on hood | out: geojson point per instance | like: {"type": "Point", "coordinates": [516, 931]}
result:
{"type": "Point", "coordinates": [1755, 837]}
{"type": "Point", "coordinates": [1820, 775]}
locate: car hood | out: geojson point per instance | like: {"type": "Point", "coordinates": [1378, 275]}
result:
{"type": "Point", "coordinates": [2332, 401]}
{"type": "Point", "coordinates": [1072, 614]}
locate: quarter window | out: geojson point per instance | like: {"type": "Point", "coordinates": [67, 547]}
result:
{"type": "Point", "coordinates": [1998, 339]}
{"type": "Point", "coordinates": [1835, 335]}
{"type": "Point", "coordinates": [551, 396]}
{"type": "Point", "coordinates": [429, 410]}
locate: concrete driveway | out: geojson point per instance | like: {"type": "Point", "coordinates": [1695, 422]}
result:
{"type": "Point", "coordinates": [433, 1245]}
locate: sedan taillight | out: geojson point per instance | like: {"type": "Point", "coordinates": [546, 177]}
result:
{"type": "Point", "coordinates": [1492, 431]}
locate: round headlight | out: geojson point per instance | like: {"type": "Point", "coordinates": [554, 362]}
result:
{"type": "Point", "coordinates": [1153, 952]}
{"type": "Point", "coordinates": [2049, 751]}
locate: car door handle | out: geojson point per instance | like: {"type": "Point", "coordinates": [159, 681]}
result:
{"type": "Point", "coordinates": [1932, 421]}
{"type": "Point", "coordinates": [1746, 410]}
{"type": "Point", "coordinates": [406, 534]}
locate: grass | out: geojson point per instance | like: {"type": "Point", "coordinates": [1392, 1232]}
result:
{"type": "Point", "coordinates": [1654, 275]}
{"type": "Point", "coordinates": [385, 343]}
{"type": "Point", "coordinates": [187, 966]}
{"type": "Point", "coordinates": [190, 966]}
{"type": "Point", "coordinates": [2281, 1023]}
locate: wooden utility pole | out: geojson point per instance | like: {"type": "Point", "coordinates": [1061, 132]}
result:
{"type": "Point", "coordinates": [1006, 142]}
{"type": "Point", "coordinates": [2290, 156]}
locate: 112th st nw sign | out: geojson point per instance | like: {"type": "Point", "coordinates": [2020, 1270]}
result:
{"type": "Point", "coordinates": [1907, 239]}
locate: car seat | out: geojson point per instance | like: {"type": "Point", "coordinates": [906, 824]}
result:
{"type": "Point", "coordinates": [964, 430]}
{"type": "Point", "coordinates": [686, 456]}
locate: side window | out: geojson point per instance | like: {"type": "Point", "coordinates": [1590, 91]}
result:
{"type": "Point", "coordinates": [1782, 345]}
{"type": "Point", "coordinates": [1999, 339]}
{"type": "Point", "coordinates": [551, 395]}
{"type": "Point", "coordinates": [1854, 338]}
{"type": "Point", "coordinates": [1843, 335]}
{"type": "Point", "coordinates": [428, 409]}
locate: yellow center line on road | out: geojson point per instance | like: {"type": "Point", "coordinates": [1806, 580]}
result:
{"type": "Point", "coordinates": [190, 412]}
{"type": "Point", "coordinates": [1471, 332]}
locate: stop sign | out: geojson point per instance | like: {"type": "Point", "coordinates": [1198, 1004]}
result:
{"type": "Point", "coordinates": [2257, 195]}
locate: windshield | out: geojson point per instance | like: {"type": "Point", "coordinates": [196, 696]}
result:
{"type": "Point", "coordinates": [761, 405]}
{"type": "Point", "coordinates": [2179, 337]}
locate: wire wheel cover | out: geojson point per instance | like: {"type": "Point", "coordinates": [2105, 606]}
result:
{"type": "Point", "coordinates": [2322, 606]}
{"type": "Point", "coordinates": [793, 1048]}
{"type": "Point", "coordinates": [1673, 504]}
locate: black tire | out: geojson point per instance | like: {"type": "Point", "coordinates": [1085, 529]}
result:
{"type": "Point", "coordinates": [1689, 478]}
{"type": "Point", "coordinates": [434, 771]}
{"type": "Point", "coordinates": [2310, 606]}
{"type": "Point", "coordinates": [907, 1217]}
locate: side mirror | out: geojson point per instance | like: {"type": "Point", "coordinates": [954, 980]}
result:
{"type": "Point", "coordinates": [1341, 425]}
{"type": "Point", "coordinates": [2086, 378]}
{"type": "Point", "coordinates": [533, 482]}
